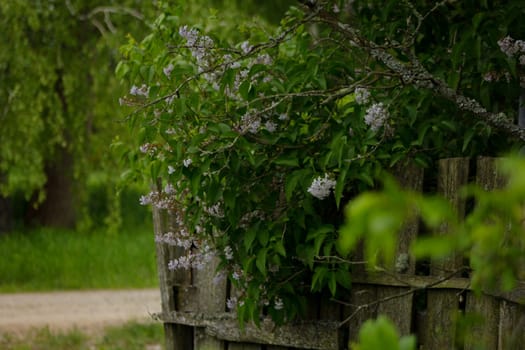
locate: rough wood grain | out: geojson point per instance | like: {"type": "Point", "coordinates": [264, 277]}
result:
{"type": "Point", "coordinates": [511, 326]}
{"type": "Point", "coordinates": [322, 335]}
{"type": "Point", "coordinates": [360, 294]}
{"type": "Point", "coordinates": [211, 298]}
{"type": "Point", "coordinates": [238, 346]}
{"type": "Point", "coordinates": [442, 306]}
{"type": "Point", "coordinates": [399, 309]}
{"type": "Point", "coordinates": [486, 333]}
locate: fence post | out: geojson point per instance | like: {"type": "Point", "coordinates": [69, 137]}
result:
{"type": "Point", "coordinates": [178, 337]}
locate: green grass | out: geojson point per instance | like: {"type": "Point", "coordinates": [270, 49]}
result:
{"type": "Point", "coordinates": [48, 259]}
{"type": "Point", "coordinates": [131, 336]}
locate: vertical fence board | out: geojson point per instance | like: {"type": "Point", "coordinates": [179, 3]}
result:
{"type": "Point", "coordinates": [211, 299]}
{"type": "Point", "coordinates": [439, 332]}
{"type": "Point", "coordinates": [512, 326]}
{"type": "Point", "coordinates": [399, 309]}
{"type": "Point", "coordinates": [486, 333]}
{"type": "Point", "coordinates": [360, 295]}
{"type": "Point", "coordinates": [442, 306]}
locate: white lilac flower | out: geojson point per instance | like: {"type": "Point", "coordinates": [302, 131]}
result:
{"type": "Point", "coordinates": [511, 47]}
{"type": "Point", "coordinates": [187, 162]}
{"type": "Point", "coordinates": [283, 116]}
{"type": "Point", "coordinates": [362, 96]}
{"type": "Point", "coordinates": [215, 210]}
{"type": "Point", "coordinates": [522, 60]}
{"type": "Point", "coordinates": [171, 131]}
{"type": "Point", "coordinates": [321, 187]}
{"type": "Point", "coordinates": [278, 304]}
{"type": "Point", "coordinates": [246, 47]}
{"type": "Point", "coordinates": [228, 253]}
{"type": "Point", "coordinates": [267, 79]}
{"type": "Point", "coordinates": [169, 100]}
{"type": "Point", "coordinates": [250, 123]}
{"type": "Point", "coordinates": [142, 91]}
{"type": "Point", "coordinates": [148, 148]}
{"type": "Point", "coordinates": [171, 169]}
{"type": "Point", "coordinates": [145, 200]}
{"type": "Point", "coordinates": [190, 35]}
{"type": "Point", "coordinates": [236, 275]}
{"type": "Point", "coordinates": [231, 303]}
{"type": "Point", "coordinates": [264, 59]}
{"type": "Point", "coordinates": [270, 126]}
{"type": "Point", "coordinates": [169, 189]}
{"type": "Point", "coordinates": [167, 70]}
{"type": "Point", "coordinates": [376, 116]}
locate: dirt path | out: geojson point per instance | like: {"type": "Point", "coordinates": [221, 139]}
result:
{"type": "Point", "coordinates": [88, 311]}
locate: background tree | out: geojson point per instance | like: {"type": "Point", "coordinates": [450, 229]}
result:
{"type": "Point", "coordinates": [59, 111]}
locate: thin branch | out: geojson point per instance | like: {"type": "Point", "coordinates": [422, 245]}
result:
{"type": "Point", "coordinates": [415, 74]}
{"type": "Point", "coordinates": [398, 295]}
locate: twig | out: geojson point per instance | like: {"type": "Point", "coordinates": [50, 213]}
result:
{"type": "Point", "coordinates": [399, 295]}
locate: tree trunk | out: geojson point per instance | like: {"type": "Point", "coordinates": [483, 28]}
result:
{"type": "Point", "coordinates": [59, 207]}
{"type": "Point", "coordinates": [6, 215]}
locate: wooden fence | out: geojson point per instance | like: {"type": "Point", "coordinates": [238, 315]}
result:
{"type": "Point", "coordinates": [422, 298]}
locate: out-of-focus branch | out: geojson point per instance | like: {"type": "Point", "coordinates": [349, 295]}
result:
{"type": "Point", "coordinates": [106, 12]}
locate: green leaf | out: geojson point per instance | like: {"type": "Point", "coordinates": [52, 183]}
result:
{"type": "Point", "coordinates": [263, 236]}
{"type": "Point", "coordinates": [293, 179]}
{"type": "Point", "coordinates": [344, 278]}
{"type": "Point", "coordinates": [260, 262]}
{"type": "Point", "coordinates": [289, 160]}
{"type": "Point", "coordinates": [433, 247]}
{"type": "Point", "coordinates": [332, 282]}
{"type": "Point", "coordinates": [340, 185]}
{"type": "Point", "coordinates": [378, 334]}
{"type": "Point", "coordinates": [249, 237]}
{"type": "Point", "coordinates": [279, 248]}
{"type": "Point", "coordinates": [318, 278]}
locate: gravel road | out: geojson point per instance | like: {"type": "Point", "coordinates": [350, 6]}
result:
{"type": "Point", "coordinates": [88, 311]}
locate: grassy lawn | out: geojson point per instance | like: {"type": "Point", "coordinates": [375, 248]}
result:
{"type": "Point", "coordinates": [45, 259]}
{"type": "Point", "coordinates": [131, 336]}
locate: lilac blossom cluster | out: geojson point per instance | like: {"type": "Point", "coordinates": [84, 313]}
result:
{"type": "Point", "coordinates": [362, 96]}
{"type": "Point", "coordinates": [321, 187]}
{"type": "Point", "coordinates": [512, 47]}
{"type": "Point", "coordinates": [196, 260]}
{"type": "Point", "coordinates": [161, 200]}
{"type": "Point", "coordinates": [376, 116]}
{"type": "Point", "coordinates": [200, 46]}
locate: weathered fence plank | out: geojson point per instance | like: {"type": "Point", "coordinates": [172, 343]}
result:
{"type": "Point", "coordinates": [512, 326]}
{"type": "Point", "coordinates": [443, 305]}
{"type": "Point", "coordinates": [398, 309]}
{"type": "Point", "coordinates": [211, 297]}
{"type": "Point", "coordinates": [485, 333]}
{"type": "Point", "coordinates": [322, 335]}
